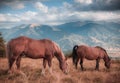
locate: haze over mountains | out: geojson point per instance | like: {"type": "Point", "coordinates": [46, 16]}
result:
{"type": "Point", "coordinates": [105, 34]}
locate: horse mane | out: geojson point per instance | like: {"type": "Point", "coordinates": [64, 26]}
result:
{"type": "Point", "coordinates": [100, 48]}
{"type": "Point", "coordinates": [59, 54]}
{"type": "Point", "coordinates": [104, 51]}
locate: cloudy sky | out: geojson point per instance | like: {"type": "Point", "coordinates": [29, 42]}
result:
{"type": "Point", "coordinates": [54, 12]}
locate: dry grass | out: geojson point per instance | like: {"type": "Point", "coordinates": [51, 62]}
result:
{"type": "Point", "coordinates": [31, 73]}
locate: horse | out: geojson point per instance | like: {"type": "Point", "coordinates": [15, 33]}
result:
{"type": "Point", "coordinates": [36, 49]}
{"type": "Point", "coordinates": [91, 53]}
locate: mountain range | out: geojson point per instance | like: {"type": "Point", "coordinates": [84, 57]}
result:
{"type": "Point", "coordinates": [105, 34]}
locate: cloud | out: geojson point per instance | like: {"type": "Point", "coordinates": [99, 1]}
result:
{"type": "Point", "coordinates": [2, 18]}
{"type": "Point", "coordinates": [98, 16]}
{"type": "Point", "coordinates": [41, 7]}
{"type": "Point", "coordinates": [13, 4]}
{"type": "Point", "coordinates": [81, 5]}
{"type": "Point", "coordinates": [54, 19]}
{"type": "Point", "coordinates": [96, 5]}
{"type": "Point", "coordinates": [23, 17]}
{"type": "Point", "coordinates": [84, 1]}
{"type": "Point", "coordinates": [58, 15]}
{"type": "Point", "coordinates": [27, 16]}
{"type": "Point", "coordinates": [9, 18]}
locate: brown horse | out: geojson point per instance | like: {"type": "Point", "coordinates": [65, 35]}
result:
{"type": "Point", "coordinates": [90, 53]}
{"type": "Point", "coordinates": [35, 49]}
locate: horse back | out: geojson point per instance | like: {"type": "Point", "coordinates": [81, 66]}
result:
{"type": "Point", "coordinates": [17, 44]}
{"type": "Point", "coordinates": [89, 52]}
{"type": "Point", "coordinates": [33, 48]}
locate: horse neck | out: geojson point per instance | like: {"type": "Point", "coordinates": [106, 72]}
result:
{"type": "Point", "coordinates": [58, 53]}
{"type": "Point", "coordinates": [60, 57]}
{"type": "Point", "coordinates": [106, 58]}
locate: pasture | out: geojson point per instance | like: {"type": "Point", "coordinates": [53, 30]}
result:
{"type": "Point", "coordinates": [31, 72]}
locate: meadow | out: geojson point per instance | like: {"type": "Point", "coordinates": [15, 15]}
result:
{"type": "Point", "coordinates": [31, 72]}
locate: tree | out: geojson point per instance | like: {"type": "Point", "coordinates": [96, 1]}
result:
{"type": "Point", "coordinates": [2, 46]}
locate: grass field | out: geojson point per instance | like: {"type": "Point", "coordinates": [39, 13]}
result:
{"type": "Point", "coordinates": [31, 72]}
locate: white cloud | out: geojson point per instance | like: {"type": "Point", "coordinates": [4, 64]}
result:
{"type": "Point", "coordinates": [67, 5]}
{"type": "Point", "coordinates": [98, 16]}
{"type": "Point", "coordinates": [23, 17]}
{"type": "Point", "coordinates": [2, 18]}
{"type": "Point", "coordinates": [84, 1]}
{"type": "Point", "coordinates": [27, 16]}
{"type": "Point", "coordinates": [15, 4]}
{"type": "Point", "coordinates": [9, 18]}
{"type": "Point", "coordinates": [41, 7]}
{"type": "Point", "coordinates": [59, 15]}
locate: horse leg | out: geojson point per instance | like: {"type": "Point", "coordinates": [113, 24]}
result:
{"type": "Point", "coordinates": [50, 65]}
{"type": "Point", "coordinates": [81, 64]}
{"type": "Point", "coordinates": [11, 61]}
{"type": "Point", "coordinates": [44, 66]}
{"type": "Point", "coordinates": [76, 63]}
{"type": "Point", "coordinates": [18, 62]}
{"type": "Point", "coordinates": [97, 64]}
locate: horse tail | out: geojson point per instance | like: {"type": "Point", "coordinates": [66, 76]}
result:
{"type": "Point", "coordinates": [8, 52]}
{"type": "Point", "coordinates": [74, 53]}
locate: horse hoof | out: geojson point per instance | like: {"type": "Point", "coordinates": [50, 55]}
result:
{"type": "Point", "coordinates": [19, 72]}
{"type": "Point", "coordinates": [66, 73]}
{"type": "Point", "coordinates": [9, 72]}
{"type": "Point", "coordinates": [96, 69]}
{"type": "Point", "coordinates": [42, 73]}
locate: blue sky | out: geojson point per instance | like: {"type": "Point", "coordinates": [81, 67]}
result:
{"type": "Point", "coordinates": [54, 12]}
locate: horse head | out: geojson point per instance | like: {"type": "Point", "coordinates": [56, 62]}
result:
{"type": "Point", "coordinates": [107, 63]}
{"type": "Point", "coordinates": [106, 57]}
{"type": "Point", "coordinates": [64, 66]}
{"type": "Point", "coordinates": [61, 58]}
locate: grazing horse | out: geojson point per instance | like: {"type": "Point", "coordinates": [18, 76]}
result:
{"type": "Point", "coordinates": [90, 53]}
{"type": "Point", "coordinates": [35, 49]}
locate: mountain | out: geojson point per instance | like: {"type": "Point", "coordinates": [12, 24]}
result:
{"type": "Point", "coordinates": [91, 33]}
{"type": "Point", "coordinates": [105, 34]}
